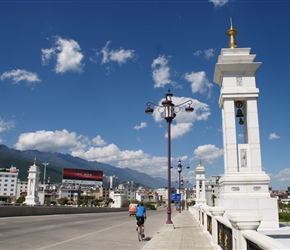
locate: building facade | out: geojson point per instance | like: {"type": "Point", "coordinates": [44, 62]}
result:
{"type": "Point", "coordinates": [8, 184]}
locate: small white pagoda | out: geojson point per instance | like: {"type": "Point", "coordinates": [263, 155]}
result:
{"type": "Point", "coordinates": [200, 185]}
{"type": "Point", "coordinates": [32, 189]}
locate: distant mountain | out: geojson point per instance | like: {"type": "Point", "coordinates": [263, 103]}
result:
{"type": "Point", "coordinates": [57, 161]}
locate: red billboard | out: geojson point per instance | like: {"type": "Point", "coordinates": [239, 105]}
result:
{"type": "Point", "coordinates": [82, 176]}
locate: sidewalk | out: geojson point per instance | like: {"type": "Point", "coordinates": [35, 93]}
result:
{"type": "Point", "coordinates": [186, 234]}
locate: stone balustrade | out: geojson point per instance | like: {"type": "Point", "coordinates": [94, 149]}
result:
{"type": "Point", "coordinates": [234, 231]}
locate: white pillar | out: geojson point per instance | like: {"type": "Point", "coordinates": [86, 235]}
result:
{"type": "Point", "coordinates": [244, 181]}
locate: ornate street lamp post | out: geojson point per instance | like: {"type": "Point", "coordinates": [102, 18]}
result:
{"type": "Point", "coordinates": [182, 202]}
{"type": "Point", "coordinates": [45, 164]}
{"type": "Point", "coordinates": [169, 110]}
{"type": "Point", "coordinates": [181, 184]}
{"type": "Point", "coordinates": [179, 169]}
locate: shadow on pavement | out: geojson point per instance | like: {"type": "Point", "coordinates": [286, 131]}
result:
{"type": "Point", "coordinates": [147, 238]}
{"type": "Point", "coordinates": [185, 227]}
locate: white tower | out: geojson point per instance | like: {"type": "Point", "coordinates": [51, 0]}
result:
{"type": "Point", "coordinates": [200, 184]}
{"type": "Point", "coordinates": [32, 189]}
{"type": "Point", "coordinates": [244, 186]}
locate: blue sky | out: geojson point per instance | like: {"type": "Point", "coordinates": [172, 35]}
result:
{"type": "Point", "coordinates": [75, 77]}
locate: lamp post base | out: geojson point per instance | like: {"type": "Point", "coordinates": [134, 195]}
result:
{"type": "Point", "coordinates": [169, 226]}
{"type": "Point", "coordinates": [169, 221]}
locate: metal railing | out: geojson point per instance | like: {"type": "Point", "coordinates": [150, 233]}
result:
{"type": "Point", "coordinates": [209, 224]}
{"type": "Point", "coordinates": [225, 239]}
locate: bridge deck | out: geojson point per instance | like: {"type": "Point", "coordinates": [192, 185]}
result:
{"type": "Point", "coordinates": [186, 234]}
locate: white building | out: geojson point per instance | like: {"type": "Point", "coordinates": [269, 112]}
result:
{"type": "Point", "coordinates": [129, 189]}
{"type": "Point", "coordinates": [118, 197]}
{"type": "Point", "coordinates": [68, 192]}
{"type": "Point", "coordinates": [8, 183]}
{"type": "Point", "coordinates": [212, 190]}
{"type": "Point", "coordinates": [146, 195]}
{"type": "Point", "coordinates": [21, 188]}
{"type": "Point", "coordinates": [162, 194]}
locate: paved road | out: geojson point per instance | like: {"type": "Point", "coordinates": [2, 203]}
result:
{"type": "Point", "coordinates": [114, 230]}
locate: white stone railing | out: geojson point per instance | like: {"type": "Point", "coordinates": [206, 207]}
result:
{"type": "Point", "coordinates": [263, 241]}
{"type": "Point", "coordinates": [234, 231]}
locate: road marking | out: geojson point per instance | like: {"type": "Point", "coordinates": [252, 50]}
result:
{"type": "Point", "coordinates": [81, 236]}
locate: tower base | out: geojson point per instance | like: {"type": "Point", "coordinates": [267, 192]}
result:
{"type": "Point", "coordinates": [31, 201]}
{"type": "Point", "coordinates": [249, 193]}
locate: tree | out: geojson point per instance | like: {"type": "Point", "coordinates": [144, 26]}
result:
{"type": "Point", "coordinates": [149, 205]}
{"type": "Point", "coordinates": [21, 199]}
{"type": "Point", "coordinates": [97, 203]}
{"type": "Point", "coordinates": [109, 200]}
{"type": "Point", "coordinates": [213, 197]}
{"type": "Point", "coordinates": [284, 217]}
{"type": "Point", "coordinates": [63, 201]}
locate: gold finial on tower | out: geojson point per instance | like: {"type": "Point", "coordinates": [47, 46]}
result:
{"type": "Point", "coordinates": [232, 32]}
{"type": "Point", "coordinates": [199, 162]}
{"type": "Point", "coordinates": [34, 164]}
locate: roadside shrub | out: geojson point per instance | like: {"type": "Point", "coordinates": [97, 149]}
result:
{"type": "Point", "coordinates": [284, 217]}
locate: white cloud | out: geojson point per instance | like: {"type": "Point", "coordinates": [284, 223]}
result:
{"type": "Point", "coordinates": [98, 141]}
{"type": "Point", "coordinates": [183, 119]}
{"type": "Point", "coordinates": [120, 56]}
{"type": "Point", "coordinates": [137, 160]}
{"type": "Point", "coordinates": [20, 75]}
{"type": "Point", "coordinates": [47, 54]}
{"type": "Point", "coordinates": [108, 153]}
{"type": "Point", "coordinates": [142, 125]}
{"type": "Point", "coordinates": [5, 126]}
{"type": "Point", "coordinates": [199, 83]}
{"type": "Point", "coordinates": [179, 129]}
{"type": "Point", "coordinates": [50, 141]}
{"type": "Point", "coordinates": [197, 53]}
{"type": "Point", "coordinates": [208, 153]}
{"type": "Point", "coordinates": [283, 175]}
{"type": "Point", "coordinates": [273, 136]}
{"type": "Point", "coordinates": [68, 55]}
{"type": "Point", "coordinates": [161, 72]}
{"type": "Point", "coordinates": [154, 166]}
{"type": "Point", "coordinates": [81, 146]}
{"type": "Point", "coordinates": [105, 52]}
{"type": "Point", "coordinates": [209, 53]}
{"type": "Point", "coordinates": [218, 3]}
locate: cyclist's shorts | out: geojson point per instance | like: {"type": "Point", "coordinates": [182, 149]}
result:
{"type": "Point", "coordinates": [140, 220]}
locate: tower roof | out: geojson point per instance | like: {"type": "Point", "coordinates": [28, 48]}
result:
{"type": "Point", "coordinates": [200, 169]}
{"type": "Point", "coordinates": [232, 32]}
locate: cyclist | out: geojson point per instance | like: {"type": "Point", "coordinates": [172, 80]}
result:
{"type": "Point", "coordinates": [140, 216]}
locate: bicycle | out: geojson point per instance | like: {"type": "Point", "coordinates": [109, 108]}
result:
{"type": "Point", "coordinates": [140, 229]}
